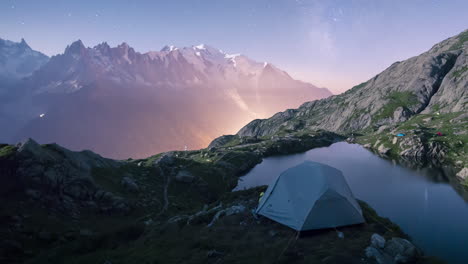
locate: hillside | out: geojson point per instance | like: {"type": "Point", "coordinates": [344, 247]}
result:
{"type": "Point", "coordinates": [417, 97]}
{"type": "Point", "coordinates": [78, 207]}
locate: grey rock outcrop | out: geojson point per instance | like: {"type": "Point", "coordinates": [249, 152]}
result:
{"type": "Point", "coordinates": [383, 150]}
{"type": "Point", "coordinates": [463, 174]}
{"type": "Point", "coordinates": [220, 141]}
{"type": "Point", "coordinates": [184, 176]}
{"type": "Point", "coordinates": [377, 241]}
{"type": "Point", "coordinates": [61, 180]}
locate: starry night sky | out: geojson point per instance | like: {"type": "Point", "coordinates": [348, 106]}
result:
{"type": "Point", "coordinates": [334, 44]}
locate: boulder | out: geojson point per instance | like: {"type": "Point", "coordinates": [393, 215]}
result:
{"type": "Point", "coordinates": [401, 250]}
{"type": "Point", "coordinates": [383, 150]}
{"type": "Point", "coordinates": [167, 159]}
{"type": "Point", "coordinates": [184, 176]}
{"type": "Point", "coordinates": [378, 256]}
{"type": "Point", "coordinates": [463, 174]}
{"type": "Point", "coordinates": [235, 209]}
{"type": "Point", "coordinates": [129, 184]}
{"type": "Point", "coordinates": [427, 119]}
{"type": "Point", "coordinates": [401, 114]}
{"type": "Point", "coordinates": [377, 241]}
{"type": "Point", "coordinates": [382, 128]}
{"type": "Point", "coordinates": [396, 250]}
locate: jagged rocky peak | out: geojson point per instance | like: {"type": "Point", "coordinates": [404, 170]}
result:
{"type": "Point", "coordinates": [18, 60]}
{"type": "Point", "coordinates": [169, 48]}
{"type": "Point", "coordinates": [75, 47]}
{"type": "Point", "coordinates": [103, 46]}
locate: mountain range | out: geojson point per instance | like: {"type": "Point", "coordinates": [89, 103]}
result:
{"type": "Point", "coordinates": [175, 98]}
{"type": "Point", "coordinates": [78, 207]}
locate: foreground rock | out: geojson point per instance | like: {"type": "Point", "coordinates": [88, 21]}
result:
{"type": "Point", "coordinates": [396, 250]}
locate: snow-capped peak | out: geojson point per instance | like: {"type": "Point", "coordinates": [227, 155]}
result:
{"type": "Point", "coordinates": [169, 48]}
{"type": "Point", "coordinates": [231, 56]}
{"type": "Point", "coordinates": [200, 47]}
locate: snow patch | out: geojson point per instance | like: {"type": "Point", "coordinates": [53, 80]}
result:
{"type": "Point", "coordinates": [231, 56]}
{"type": "Point", "coordinates": [200, 47]}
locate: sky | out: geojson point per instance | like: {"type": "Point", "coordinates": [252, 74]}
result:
{"type": "Point", "coordinates": [335, 44]}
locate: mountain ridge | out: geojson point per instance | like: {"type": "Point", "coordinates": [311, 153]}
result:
{"type": "Point", "coordinates": [372, 102]}
{"type": "Point", "coordinates": [172, 98]}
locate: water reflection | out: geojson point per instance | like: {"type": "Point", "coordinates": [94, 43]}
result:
{"type": "Point", "coordinates": [424, 198]}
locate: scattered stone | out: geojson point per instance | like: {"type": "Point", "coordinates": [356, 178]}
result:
{"type": "Point", "coordinates": [185, 176]}
{"type": "Point", "coordinates": [379, 256]}
{"type": "Point", "coordinates": [340, 235]}
{"type": "Point", "coordinates": [235, 209]}
{"type": "Point", "coordinates": [377, 241]}
{"type": "Point", "coordinates": [396, 250]}
{"type": "Point", "coordinates": [395, 140]}
{"type": "Point", "coordinates": [401, 250]}
{"type": "Point", "coordinates": [427, 119]}
{"type": "Point", "coordinates": [367, 145]}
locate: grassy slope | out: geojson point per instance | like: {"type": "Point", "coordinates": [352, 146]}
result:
{"type": "Point", "coordinates": [146, 236]}
{"type": "Point", "coordinates": [426, 126]}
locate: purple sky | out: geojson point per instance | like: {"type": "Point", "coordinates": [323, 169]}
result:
{"type": "Point", "coordinates": [334, 44]}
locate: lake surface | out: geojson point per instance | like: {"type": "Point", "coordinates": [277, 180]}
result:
{"type": "Point", "coordinates": [421, 201]}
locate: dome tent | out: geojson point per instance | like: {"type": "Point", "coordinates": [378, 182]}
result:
{"type": "Point", "coordinates": [310, 196]}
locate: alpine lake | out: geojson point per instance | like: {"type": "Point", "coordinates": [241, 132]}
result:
{"type": "Point", "coordinates": [424, 199]}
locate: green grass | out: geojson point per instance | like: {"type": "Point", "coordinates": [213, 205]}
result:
{"type": "Point", "coordinates": [7, 150]}
{"type": "Point", "coordinates": [459, 72]}
{"type": "Point", "coordinates": [394, 100]}
{"type": "Point", "coordinates": [456, 145]}
{"type": "Point", "coordinates": [355, 88]}
{"type": "Point", "coordinates": [462, 38]}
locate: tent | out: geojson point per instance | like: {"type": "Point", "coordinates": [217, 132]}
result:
{"type": "Point", "coordinates": [310, 196]}
{"type": "Point", "coordinates": [400, 135]}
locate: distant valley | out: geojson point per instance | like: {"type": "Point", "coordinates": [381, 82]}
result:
{"type": "Point", "coordinates": [122, 103]}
